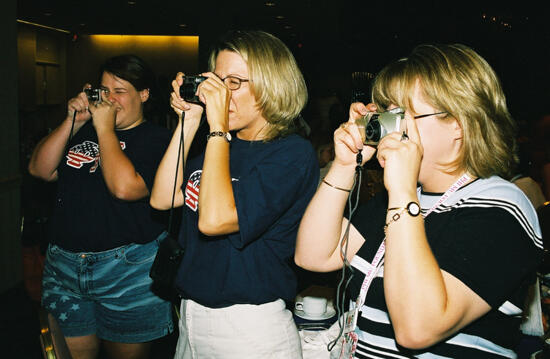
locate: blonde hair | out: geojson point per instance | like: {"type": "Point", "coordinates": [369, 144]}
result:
{"type": "Point", "coordinates": [457, 80]}
{"type": "Point", "coordinates": [275, 79]}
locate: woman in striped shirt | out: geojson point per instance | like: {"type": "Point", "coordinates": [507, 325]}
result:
{"type": "Point", "coordinates": [442, 259]}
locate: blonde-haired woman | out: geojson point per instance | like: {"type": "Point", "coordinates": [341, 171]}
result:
{"type": "Point", "coordinates": [255, 179]}
{"type": "Point", "coordinates": [442, 269]}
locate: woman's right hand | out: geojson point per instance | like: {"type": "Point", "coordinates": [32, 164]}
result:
{"type": "Point", "coordinates": [193, 112]}
{"type": "Point", "coordinates": [79, 104]}
{"type": "Point", "coordinates": [348, 140]}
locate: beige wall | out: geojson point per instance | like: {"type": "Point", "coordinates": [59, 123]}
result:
{"type": "Point", "coordinates": [165, 54]}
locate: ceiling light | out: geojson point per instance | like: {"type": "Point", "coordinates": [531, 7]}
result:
{"type": "Point", "coordinates": [269, 3]}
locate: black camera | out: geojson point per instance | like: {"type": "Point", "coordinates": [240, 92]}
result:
{"type": "Point", "coordinates": [94, 95]}
{"type": "Point", "coordinates": [376, 125]}
{"type": "Point", "coordinates": [189, 88]}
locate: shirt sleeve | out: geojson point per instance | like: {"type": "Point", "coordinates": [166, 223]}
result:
{"type": "Point", "coordinates": [282, 182]}
{"type": "Point", "coordinates": [489, 251]}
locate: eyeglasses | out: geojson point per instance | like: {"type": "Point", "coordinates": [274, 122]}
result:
{"type": "Point", "coordinates": [429, 114]}
{"type": "Point", "coordinates": [233, 83]}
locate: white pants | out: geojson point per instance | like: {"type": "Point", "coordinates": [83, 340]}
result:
{"type": "Point", "coordinates": [239, 331]}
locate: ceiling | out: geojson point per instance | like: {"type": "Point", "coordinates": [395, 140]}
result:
{"type": "Point", "coordinates": [325, 35]}
{"type": "Point", "coordinates": [184, 17]}
{"type": "Point", "coordinates": [298, 22]}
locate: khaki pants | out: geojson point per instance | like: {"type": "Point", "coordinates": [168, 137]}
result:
{"type": "Point", "coordinates": [239, 331]}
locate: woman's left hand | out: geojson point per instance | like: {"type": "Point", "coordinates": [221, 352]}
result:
{"type": "Point", "coordinates": [104, 115]}
{"type": "Point", "coordinates": [401, 155]}
{"type": "Point", "coordinates": [216, 96]}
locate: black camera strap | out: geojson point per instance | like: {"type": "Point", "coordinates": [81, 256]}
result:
{"type": "Point", "coordinates": [341, 292]}
{"type": "Point", "coordinates": [70, 134]}
{"type": "Point", "coordinates": [180, 150]}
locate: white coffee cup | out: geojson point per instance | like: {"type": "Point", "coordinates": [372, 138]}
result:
{"type": "Point", "coordinates": [312, 306]}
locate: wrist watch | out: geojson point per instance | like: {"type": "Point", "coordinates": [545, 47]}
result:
{"type": "Point", "coordinates": [413, 208]}
{"type": "Point", "coordinates": [225, 135]}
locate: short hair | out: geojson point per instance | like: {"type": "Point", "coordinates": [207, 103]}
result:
{"type": "Point", "coordinates": [276, 80]}
{"type": "Point", "coordinates": [457, 80]}
{"type": "Point", "coordinates": [136, 71]}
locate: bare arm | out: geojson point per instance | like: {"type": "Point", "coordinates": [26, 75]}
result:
{"type": "Point", "coordinates": [50, 150]}
{"type": "Point", "coordinates": [161, 194]}
{"type": "Point", "coordinates": [217, 208]}
{"type": "Point", "coordinates": [322, 226]}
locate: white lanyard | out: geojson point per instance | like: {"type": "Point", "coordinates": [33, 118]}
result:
{"type": "Point", "coordinates": [377, 260]}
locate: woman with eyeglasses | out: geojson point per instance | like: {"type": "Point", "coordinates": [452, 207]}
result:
{"type": "Point", "coordinates": [442, 259]}
{"type": "Point", "coordinates": [242, 198]}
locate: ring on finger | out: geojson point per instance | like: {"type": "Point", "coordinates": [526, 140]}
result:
{"type": "Point", "coordinates": [344, 125]}
{"type": "Point", "coordinates": [404, 137]}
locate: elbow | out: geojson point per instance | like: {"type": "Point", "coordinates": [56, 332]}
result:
{"type": "Point", "coordinates": [33, 171]}
{"type": "Point", "coordinates": [415, 338]}
{"type": "Point", "coordinates": [36, 172]}
{"type": "Point", "coordinates": [305, 259]}
{"type": "Point", "coordinates": [121, 194]}
{"type": "Point", "coordinates": [301, 260]}
{"type": "Point", "coordinates": [212, 227]}
{"type": "Point", "coordinates": [157, 203]}
{"type": "Point", "coordinates": [125, 193]}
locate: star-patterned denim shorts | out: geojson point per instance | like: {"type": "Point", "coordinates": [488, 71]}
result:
{"type": "Point", "coordinates": [106, 293]}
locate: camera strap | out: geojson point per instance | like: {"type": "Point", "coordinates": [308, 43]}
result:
{"type": "Point", "coordinates": [180, 150]}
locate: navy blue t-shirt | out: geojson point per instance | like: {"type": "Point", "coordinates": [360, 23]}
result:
{"type": "Point", "coordinates": [87, 218]}
{"type": "Point", "coordinates": [272, 183]}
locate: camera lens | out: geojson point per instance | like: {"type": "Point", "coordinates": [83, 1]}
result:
{"type": "Point", "coordinates": [94, 95]}
{"type": "Point", "coordinates": [372, 131]}
{"type": "Point", "coordinates": [187, 92]}
{"type": "Point", "coordinates": [189, 88]}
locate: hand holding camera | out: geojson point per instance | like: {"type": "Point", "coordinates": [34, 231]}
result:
{"type": "Point", "coordinates": [400, 154]}
{"type": "Point", "coordinates": [183, 98]}
{"type": "Point", "coordinates": [77, 107]}
{"type": "Point", "coordinates": [348, 140]}
{"type": "Point", "coordinates": [202, 91]}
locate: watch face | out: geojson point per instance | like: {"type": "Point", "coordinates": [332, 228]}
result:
{"type": "Point", "coordinates": [413, 208]}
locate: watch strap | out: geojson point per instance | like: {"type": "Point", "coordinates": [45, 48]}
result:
{"type": "Point", "coordinates": [218, 134]}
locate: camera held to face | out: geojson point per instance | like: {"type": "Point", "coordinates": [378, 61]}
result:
{"type": "Point", "coordinates": [376, 125]}
{"type": "Point", "coordinates": [94, 95]}
{"type": "Point", "coordinates": [189, 88]}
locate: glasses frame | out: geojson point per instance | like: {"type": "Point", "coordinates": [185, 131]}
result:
{"type": "Point", "coordinates": [429, 114]}
{"type": "Point", "coordinates": [235, 78]}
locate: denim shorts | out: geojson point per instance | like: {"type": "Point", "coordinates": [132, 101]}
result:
{"type": "Point", "coordinates": [106, 293]}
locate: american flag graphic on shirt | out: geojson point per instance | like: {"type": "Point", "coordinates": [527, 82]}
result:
{"type": "Point", "coordinates": [86, 152]}
{"type": "Point", "coordinates": [192, 190]}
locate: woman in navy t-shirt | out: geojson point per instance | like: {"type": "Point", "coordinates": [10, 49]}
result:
{"type": "Point", "coordinates": [243, 198]}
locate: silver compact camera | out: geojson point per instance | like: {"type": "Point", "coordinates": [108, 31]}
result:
{"type": "Point", "coordinates": [376, 125]}
{"type": "Point", "coordinates": [94, 95]}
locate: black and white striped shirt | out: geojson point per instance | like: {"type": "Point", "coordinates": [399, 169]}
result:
{"type": "Point", "coordinates": [486, 235]}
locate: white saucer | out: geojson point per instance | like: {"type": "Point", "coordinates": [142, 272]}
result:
{"type": "Point", "coordinates": [328, 314]}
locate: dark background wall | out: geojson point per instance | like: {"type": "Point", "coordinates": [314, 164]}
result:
{"type": "Point", "coordinates": [10, 178]}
